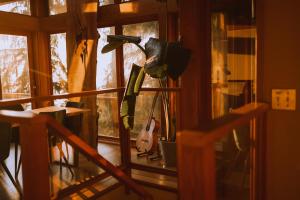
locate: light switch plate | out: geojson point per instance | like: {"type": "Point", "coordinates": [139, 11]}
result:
{"type": "Point", "coordinates": [284, 99]}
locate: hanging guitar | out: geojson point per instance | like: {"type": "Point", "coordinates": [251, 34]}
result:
{"type": "Point", "coordinates": [147, 140]}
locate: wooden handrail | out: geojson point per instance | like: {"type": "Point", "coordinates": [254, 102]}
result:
{"type": "Point", "coordinates": [33, 136]}
{"type": "Point", "coordinates": [93, 155]}
{"type": "Point", "coordinates": [196, 152]}
{"type": "Point", "coordinates": [76, 94]}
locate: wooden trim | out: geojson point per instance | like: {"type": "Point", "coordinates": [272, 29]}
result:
{"type": "Point", "coordinates": [128, 12]}
{"type": "Point", "coordinates": [156, 186]}
{"type": "Point", "coordinates": [163, 171]}
{"type": "Point", "coordinates": [14, 22]}
{"type": "Point", "coordinates": [259, 10]}
{"type": "Point", "coordinates": [54, 23]}
{"type": "Point", "coordinates": [31, 64]}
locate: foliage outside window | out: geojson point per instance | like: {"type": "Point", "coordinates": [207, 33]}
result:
{"type": "Point", "coordinates": [21, 7]}
{"type": "Point", "coordinates": [14, 67]}
{"type": "Point", "coordinates": [105, 2]}
{"type": "Point", "coordinates": [57, 6]}
{"type": "Point", "coordinates": [106, 78]}
{"type": "Point", "coordinates": [133, 54]}
{"type": "Point", "coordinates": [59, 65]}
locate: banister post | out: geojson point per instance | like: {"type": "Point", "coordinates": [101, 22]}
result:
{"type": "Point", "coordinates": [34, 146]}
{"type": "Point", "coordinates": [196, 170]}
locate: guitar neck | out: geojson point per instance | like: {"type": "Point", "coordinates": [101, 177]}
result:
{"type": "Point", "coordinates": [152, 110]}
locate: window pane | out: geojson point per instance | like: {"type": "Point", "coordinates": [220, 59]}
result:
{"type": "Point", "coordinates": [233, 64]}
{"type": "Point", "coordinates": [108, 115]}
{"type": "Point", "coordinates": [106, 78]}
{"type": "Point", "coordinates": [21, 7]}
{"type": "Point", "coordinates": [106, 63]}
{"type": "Point", "coordinates": [133, 54]}
{"type": "Point", "coordinates": [59, 65]}
{"type": "Point", "coordinates": [14, 67]}
{"type": "Point", "coordinates": [57, 6]}
{"type": "Point", "coordinates": [105, 2]}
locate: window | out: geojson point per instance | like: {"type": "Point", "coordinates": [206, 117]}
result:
{"type": "Point", "coordinates": [233, 64]}
{"type": "Point", "coordinates": [105, 2]}
{"type": "Point", "coordinates": [133, 54]}
{"type": "Point", "coordinates": [106, 65]}
{"type": "Point", "coordinates": [106, 78]}
{"type": "Point", "coordinates": [59, 65]}
{"type": "Point", "coordinates": [15, 81]}
{"type": "Point", "coordinates": [57, 6]}
{"type": "Point", "coordinates": [17, 6]}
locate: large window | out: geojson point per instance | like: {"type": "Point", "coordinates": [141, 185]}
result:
{"type": "Point", "coordinates": [59, 65]}
{"type": "Point", "coordinates": [57, 6]}
{"type": "Point", "coordinates": [106, 78]}
{"type": "Point", "coordinates": [17, 6]}
{"type": "Point", "coordinates": [133, 54]}
{"type": "Point", "coordinates": [14, 67]}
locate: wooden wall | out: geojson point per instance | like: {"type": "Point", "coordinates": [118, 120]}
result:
{"type": "Point", "coordinates": [280, 68]}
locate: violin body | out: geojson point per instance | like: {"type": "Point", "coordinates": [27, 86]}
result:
{"type": "Point", "coordinates": [147, 141]}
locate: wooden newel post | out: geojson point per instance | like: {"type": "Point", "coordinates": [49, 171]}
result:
{"type": "Point", "coordinates": [34, 146]}
{"type": "Point", "coordinates": [196, 168]}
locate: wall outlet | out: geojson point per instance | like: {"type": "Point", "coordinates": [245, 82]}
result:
{"type": "Point", "coordinates": [284, 99]}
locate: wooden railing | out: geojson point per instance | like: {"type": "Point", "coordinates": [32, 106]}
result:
{"type": "Point", "coordinates": [197, 159]}
{"type": "Point", "coordinates": [76, 94]}
{"type": "Point", "coordinates": [34, 147]}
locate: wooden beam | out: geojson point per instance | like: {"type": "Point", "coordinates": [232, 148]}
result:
{"type": "Point", "coordinates": [132, 12]}
{"type": "Point", "coordinates": [41, 69]}
{"type": "Point", "coordinates": [54, 23]}
{"type": "Point", "coordinates": [13, 22]}
{"type": "Point", "coordinates": [195, 99]}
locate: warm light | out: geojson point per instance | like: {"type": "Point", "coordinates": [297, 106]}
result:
{"type": "Point", "coordinates": [128, 8]}
{"type": "Point", "coordinates": [90, 7]}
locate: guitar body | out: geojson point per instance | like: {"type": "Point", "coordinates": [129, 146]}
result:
{"type": "Point", "coordinates": [147, 141]}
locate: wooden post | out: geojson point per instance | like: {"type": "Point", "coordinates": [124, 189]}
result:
{"type": "Point", "coordinates": [196, 170]}
{"type": "Point", "coordinates": [34, 146]}
{"type": "Point", "coordinates": [195, 98]}
{"type": "Point", "coordinates": [259, 184]}
{"type": "Point", "coordinates": [41, 69]}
